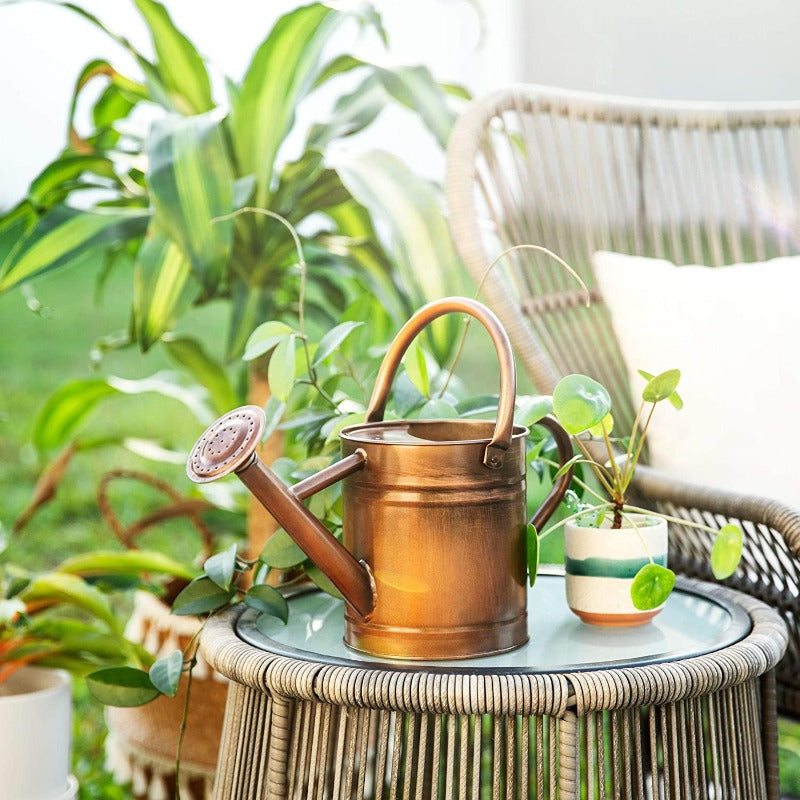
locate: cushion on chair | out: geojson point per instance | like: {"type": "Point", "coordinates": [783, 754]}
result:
{"type": "Point", "coordinates": [734, 332]}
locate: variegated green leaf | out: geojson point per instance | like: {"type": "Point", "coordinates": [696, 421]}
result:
{"type": "Point", "coordinates": [282, 72]}
{"type": "Point", "coordinates": [181, 68]}
{"type": "Point", "coordinates": [409, 207]}
{"type": "Point", "coordinates": [65, 234]}
{"type": "Point", "coordinates": [14, 227]}
{"type": "Point", "coordinates": [66, 409]}
{"type": "Point", "coordinates": [67, 168]}
{"type": "Point", "coordinates": [161, 286]}
{"type": "Point", "coordinates": [191, 355]}
{"type": "Point", "coordinates": [191, 184]}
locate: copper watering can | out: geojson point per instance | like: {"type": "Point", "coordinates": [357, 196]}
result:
{"type": "Point", "coordinates": [433, 564]}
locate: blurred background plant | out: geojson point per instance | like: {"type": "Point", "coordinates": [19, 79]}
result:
{"type": "Point", "coordinates": [155, 207]}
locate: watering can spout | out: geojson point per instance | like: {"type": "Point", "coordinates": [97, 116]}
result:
{"type": "Point", "coordinates": [229, 445]}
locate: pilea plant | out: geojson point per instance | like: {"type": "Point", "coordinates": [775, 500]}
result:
{"type": "Point", "coordinates": [583, 407]}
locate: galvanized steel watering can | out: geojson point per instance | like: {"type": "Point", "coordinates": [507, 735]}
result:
{"type": "Point", "coordinates": [433, 564]}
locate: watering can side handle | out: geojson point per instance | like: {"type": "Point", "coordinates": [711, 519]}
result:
{"type": "Point", "coordinates": [564, 444]}
{"type": "Point", "coordinates": [501, 441]}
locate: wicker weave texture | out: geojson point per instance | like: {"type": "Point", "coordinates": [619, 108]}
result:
{"type": "Point", "coordinates": [701, 727]}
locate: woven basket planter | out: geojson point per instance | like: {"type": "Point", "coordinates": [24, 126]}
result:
{"type": "Point", "coordinates": [142, 743]}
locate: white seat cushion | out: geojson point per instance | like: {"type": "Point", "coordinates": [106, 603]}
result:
{"type": "Point", "coordinates": [734, 332]}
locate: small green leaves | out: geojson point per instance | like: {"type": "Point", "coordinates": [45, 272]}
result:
{"type": "Point", "coordinates": [220, 567]}
{"type": "Point", "coordinates": [332, 340]}
{"type": "Point", "coordinates": [165, 674]}
{"type": "Point", "coordinates": [532, 548]}
{"type": "Point", "coordinates": [281, 370]}
{"type": "Point", "coordinates": [281, 552]}
{"type": "Point", "coordinates": [726, 551]}
{"type": "Point", "coordinates": [417, 369]}
{"type": "Point", "coordinates": [580, 403]}
{"type": "Point", "coordinates": [652, 586]}
{"type": "Point", "coordinates": [264, 338]}
{"type": "Point", "coordinates": [268, 600]}
{"type": "Point", "coordinates": [121, 686]}
{"type": "Point", "coordinates": [662, 387]}
{"type": "Point", "coordinates": [199, 597]}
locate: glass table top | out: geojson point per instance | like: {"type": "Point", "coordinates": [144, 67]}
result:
{"type": "Point", "coordinates": [690, 624]}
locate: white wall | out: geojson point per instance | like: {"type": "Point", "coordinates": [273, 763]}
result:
{"type": "Point", "coordinates": [42, 49]}
{"type": "Point", "coordinates": [681, 49]}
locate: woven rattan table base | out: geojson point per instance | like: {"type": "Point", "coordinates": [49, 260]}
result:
{"type": "Point", "coordinates": [701, 727]}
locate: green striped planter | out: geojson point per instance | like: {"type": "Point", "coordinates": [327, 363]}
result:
{"type": "Point", "coordinates": [601, 564]}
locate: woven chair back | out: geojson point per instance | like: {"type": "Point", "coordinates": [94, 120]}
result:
{"type": "Point", "coordinates": [575, 172]}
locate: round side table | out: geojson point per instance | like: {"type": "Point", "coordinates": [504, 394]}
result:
{"type": "Point", "coordinates": [683, 707]}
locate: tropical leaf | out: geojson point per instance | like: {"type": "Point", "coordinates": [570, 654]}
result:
{"type": "Point", "coordinates": [267, 600]}
{"type": "Point", "coordinates": [281, 73]}
{"type": "Point", "coordinates": [14, 227]}
{"type": "Point", "coordinates": [161, 286]}
{"type": "Point", "coordinates": [126, 562]}
{"type": "Point", "coordinates": [221, 566]}
{"type": "Point", "coordinates": [60, 588]}
{"type": "Point", "coordinates": [191, 185]}
{"type": "Point", "coordinates": [65, 410]}
{"type": "Point", "coordinates": [64, 235]}
{"type": "Point", "coordinates": [199, 597]}
{"type": "Point", "coordinates": [179, 64]}
{"type": "Point", "coordinates": [192, 356]}
{"type": "Point", "coordinates": [409, 208]}
{"type": "Point", "coordinates": [67, 168]}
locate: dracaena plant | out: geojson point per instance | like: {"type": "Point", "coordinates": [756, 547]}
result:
{"type": "Point", "coordinates": [165, 199]}
{"type": "Point", "coordinates": [181, 204]}
{"type": "Point", "coordinates": [583, 407]}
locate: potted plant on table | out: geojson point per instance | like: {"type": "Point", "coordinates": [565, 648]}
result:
{"type": "Point", "coordinates": [616, 552]}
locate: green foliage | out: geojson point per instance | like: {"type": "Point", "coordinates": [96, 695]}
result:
{"type": "Point", "coordinates": [186, 222]}
{"type": "Point", "coordinates": [122, 686]}
{"type": "Point", "coordinates": [165, 673]}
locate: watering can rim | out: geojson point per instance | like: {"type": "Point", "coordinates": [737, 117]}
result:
{"type": "Point", "coordinates": [350, 432]}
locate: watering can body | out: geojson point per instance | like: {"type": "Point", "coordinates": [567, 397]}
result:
{"type": "Point", "coordinates": [434, 523]}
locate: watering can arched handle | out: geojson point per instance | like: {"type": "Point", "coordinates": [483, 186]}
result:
{"type": "Point", "coordinates": [501, 441]}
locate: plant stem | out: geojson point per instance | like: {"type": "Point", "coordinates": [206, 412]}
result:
{"type": "Point", "coordinates": [639, 534]}
{"type": "Point", "coordinates": [634, 429]}
{"type": "Point", "coordinates": [598, 469]}
{"type": "Point", "coordinates": [577, 515]}
{"type": "Point", "coordinates": [629, 468]}
{"type": "Point", "coordinates": [677, 520]}
{"type": "Point", "coordinates": [575, 479]}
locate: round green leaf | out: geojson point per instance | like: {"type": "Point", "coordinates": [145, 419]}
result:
{"type": "Point", "coordinates": [532, 546]}
{"type": "Point", "coordinates": [268, 600]}
{"type": "Point", "coordinates": [220, 567]}
{"type": "Point", "coordinates": [121, 686]}
{"type": "Point", "coordinates": [726, 551]}
{"type": "Point", "coordinates": [165, 674]}
{"type": "Point", "coordinates": [661, 386]}
{"type": "Point", "coordinates": [597, 430]}
{"type": "Point", "coordinates": [199, 597]}
{"type": "Point", "coordinates": [580, 403]}
{"type": "Point", "coordinates": [651, 586]}
{"type": "Point", "coordinates": [281, 552]}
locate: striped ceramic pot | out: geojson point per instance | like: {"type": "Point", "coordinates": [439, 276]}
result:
{"type": "Point", "coordinates": [601, 564]}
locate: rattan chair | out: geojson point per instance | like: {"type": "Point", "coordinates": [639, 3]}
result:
{"type": "Point", "coordinates": [692, 182]}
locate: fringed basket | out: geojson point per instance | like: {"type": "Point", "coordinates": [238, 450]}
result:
{"type": "Point", "coordinates": [142, 744]}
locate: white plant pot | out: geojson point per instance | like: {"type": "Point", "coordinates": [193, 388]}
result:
{"type": "Point", "coordinates": [601, 564]}
{"type": "Point", "coordinates": [35, 731]}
